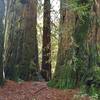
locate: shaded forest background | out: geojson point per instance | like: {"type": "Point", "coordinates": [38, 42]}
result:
{"type": "Point", "coordinates": [45, 41]}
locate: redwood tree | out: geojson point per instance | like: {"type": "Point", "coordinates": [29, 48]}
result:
{"type": "Point", "coordinates": [46, 49]}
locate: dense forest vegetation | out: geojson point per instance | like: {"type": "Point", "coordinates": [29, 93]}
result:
{"type": "Point", "coordinates": [60, 46]}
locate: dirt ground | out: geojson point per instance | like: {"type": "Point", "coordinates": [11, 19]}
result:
{"type": "Point", "coordinates": [35, 91]}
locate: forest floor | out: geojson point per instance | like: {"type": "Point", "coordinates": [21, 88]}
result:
{"type": "Point", "coordinates": [35, 91]}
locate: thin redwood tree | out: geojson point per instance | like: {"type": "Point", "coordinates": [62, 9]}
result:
{"type": "Point", "coordinates": [2, 6]}
{"type": "Point", "coordinates": [46, 49]}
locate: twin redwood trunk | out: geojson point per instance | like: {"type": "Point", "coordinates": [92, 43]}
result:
{"type": "Point", "coordinates": [46, 49]}
{"type": "Point", "coordinates": [20, 45]}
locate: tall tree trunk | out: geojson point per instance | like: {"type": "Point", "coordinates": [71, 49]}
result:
{"type": "Point", "coordinates": [92, 37]}
{"type": "Point", "coordinates": [97, 30]}
{"type": "Point", "coordinates": [1, 39]}
{"type": "Point", "coordinates": [46, 49]}
{"type": "Point", "coordinates": [30, 47]}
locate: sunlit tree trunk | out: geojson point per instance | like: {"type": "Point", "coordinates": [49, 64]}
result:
{"type": "Point", "coordinates": [46, 49]}
{"type": "Point", "coordinates": [65, 49]}
{"type": "Point", "coordinates": [2, 6]}
{"type": "Point", "coordinates": [9, 40]}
